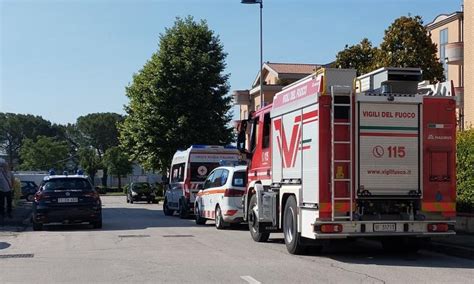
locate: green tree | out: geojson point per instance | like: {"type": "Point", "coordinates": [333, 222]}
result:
{"type": "Point", "coordinates": [179, 97]}
{"type": "Point", "coordinates": [360, 57]}
{"type": "Point", "coordinates": [117, 163]}
{"type": "Point", "coordinates": [89, 161]}
{"type": "Point", "coordinates": [464, 170]}
{"type": "Point", "coordinates": [407, 44]}
{"type": "Point", "coordinates": [43, 154]}
{"type": "Point", "coordinates": [99, 131]}
{"type": "Point", "coordinates": [14, 128]}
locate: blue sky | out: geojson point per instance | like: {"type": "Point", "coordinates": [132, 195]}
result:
{"type": "Point", "coordinates": [64, 59]}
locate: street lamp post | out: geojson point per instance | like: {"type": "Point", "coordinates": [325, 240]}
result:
{"type": "Point", "coordinates": [261, 44]}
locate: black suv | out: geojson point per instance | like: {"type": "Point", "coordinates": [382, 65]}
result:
{"type": "Point", "coordinates": [66, 200]}
{"type": "Point", "coordinates": [140, 191]}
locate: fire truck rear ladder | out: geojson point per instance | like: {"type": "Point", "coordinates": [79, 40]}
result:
{"type": "Point", "coordinates": [341, 91]}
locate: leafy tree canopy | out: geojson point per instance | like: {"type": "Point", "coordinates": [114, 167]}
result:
{"type": "Point", "coordinates": [179, 97]}
{"type": "Point", "coordinates": [360, 57]}
{"type": "Point", "coordinates": [43, 154]}
{"type": "Point", "coordinates": [16, 127]}
{"type": "Point", "coordinates": [98, 130]}
{"type": "Point", "coordinates": [117, 163]}
{"type": "Point", "coordinates": [89, 161]}
{"type": "Point", "coordinates": [407, 44]}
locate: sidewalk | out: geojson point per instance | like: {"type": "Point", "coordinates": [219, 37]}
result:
{"type": "Point", "coordinates": [21, 216]}
{"type": "Point", "coordinates": [460, 245]}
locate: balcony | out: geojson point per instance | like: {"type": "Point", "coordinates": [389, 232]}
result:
{"type": "Point", "coordinates": [455, 53]}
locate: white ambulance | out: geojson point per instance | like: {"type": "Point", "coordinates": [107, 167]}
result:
{"type": "Point", "coordinates": [189, 169]}
{"type": "Point", "coordinates": [220, 198]}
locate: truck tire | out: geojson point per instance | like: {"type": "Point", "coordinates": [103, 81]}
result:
{"type": "Point", "coordinates": [220, 224]}
{"type": "Point", "coordinates": [253, 223]}
{"type": "Point", "coordinates": [197, 213]}
{"type": "Point", "coordinates": [166, 210]}
{"type": "Point", "coordinates": [293, 239]}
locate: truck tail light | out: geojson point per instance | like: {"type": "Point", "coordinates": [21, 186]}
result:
{"type": "Point", "coordinates": [331, 228]}
{"type": "Point", "coordinates": [438, 227]}
{"type": "Point", "coordinates": [230, 192]}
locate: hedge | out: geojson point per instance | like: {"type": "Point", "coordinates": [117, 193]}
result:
{"type": "Point", "coordinates": [465, 171]}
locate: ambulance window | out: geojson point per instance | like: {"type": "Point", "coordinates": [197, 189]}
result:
{"type": "Point", "coordinates": [266, 131]}
{"type": "Point", "coordinates": [253, 141]}
{"type": "Point", "coordinates": [177, 173]}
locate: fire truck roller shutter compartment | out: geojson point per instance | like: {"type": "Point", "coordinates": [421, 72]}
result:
{"type": "Point", "coordinates": [389, 149]}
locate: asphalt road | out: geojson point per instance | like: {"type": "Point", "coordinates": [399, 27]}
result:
{"type": "Point", "coordinates": [139, 244]}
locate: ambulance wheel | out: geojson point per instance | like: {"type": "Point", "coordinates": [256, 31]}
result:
{"type": "Point", "coordinates": [166, 210]}
{"type": "Point", "coordinates": [220, 224]}
{"type": "Point", "coordinates": [293, 239]}
{"type": "Point", "coordinates": [183, 211]}
{"type": "Point", "coordinates": [253, 222]}
{"type": "Point", "coordinates": [197, 213]}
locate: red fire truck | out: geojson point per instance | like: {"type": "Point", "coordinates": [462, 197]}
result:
{"type": "Point", "coordinates": [337, 156]}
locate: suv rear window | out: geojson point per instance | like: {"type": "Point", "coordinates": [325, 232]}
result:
{"type": "Point", "coordinates": [67, 183]}
{"type": "Point", "coordinates": [239, 179]}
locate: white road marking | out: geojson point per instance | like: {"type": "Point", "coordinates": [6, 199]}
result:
{"type": "Point", "coordinates": [250, 279]}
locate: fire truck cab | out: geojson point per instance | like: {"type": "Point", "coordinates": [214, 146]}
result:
{"type": "Point", "coordinates": [337, 156]}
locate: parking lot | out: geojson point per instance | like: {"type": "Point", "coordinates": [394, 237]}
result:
{"type": "Point", "coordinates": [139, 244]}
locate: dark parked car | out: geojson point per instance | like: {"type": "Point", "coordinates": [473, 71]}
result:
{"type": "Point", "coordinates": [140, 191]}
{"type": "Point", "coordinates": [66, 200]}
{"type": "Point", "coordinates": [28, 190]}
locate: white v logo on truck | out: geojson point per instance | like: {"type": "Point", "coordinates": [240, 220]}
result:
{"type": "Point", "coordinates": [290, 150]}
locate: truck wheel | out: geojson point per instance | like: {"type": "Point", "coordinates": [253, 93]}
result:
{"type": "Point", "coordinates": [197, 213]}
{"type": "Point", "coordinates": [253, 222]}
{"type": "Point", "coordinates": [293, 239]}
{"type": "Point", "coordinates": [183, 211]}
{"type": "Point", "coordinates": [166, 210]}
{"type": "Point", "coordinates": [220, 224]}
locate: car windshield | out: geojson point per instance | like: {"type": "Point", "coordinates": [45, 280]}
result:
{"type": "Point", "coordinates": [239, 179]}
{"type": "Point", "coordinates": [66, 184]}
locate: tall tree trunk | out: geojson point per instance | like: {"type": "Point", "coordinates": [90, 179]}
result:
{"type": "Point", "coordinates": [119, 181]}
{"type": "Point", "coordinates": [104, 178]}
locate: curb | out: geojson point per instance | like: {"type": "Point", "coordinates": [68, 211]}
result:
{"type": "Point", "coordinates": [453, 250]}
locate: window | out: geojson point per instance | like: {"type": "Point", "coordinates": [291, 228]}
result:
{"type": "Point", "coordinates": [266, 131]}
{"type": "Point", "coordinates": [208, 182]}
{"type": "Point", "coordinates": [240, 179]}
{"type": "Point", "coordinates": [177, 173]}
{"type": "Point", "coordinates": [67, 183]}
{"type": "Point", "coordinates": [199, 171]}
{"type": "Point", "coordinates": [254, 134]}
{"type": "Point", "coordinates": [216, 180]}
{"type": "Point", "coordinates": [443, 41]}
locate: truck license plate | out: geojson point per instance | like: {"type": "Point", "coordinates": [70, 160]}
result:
{"type": "Point", "coordinates": [67, 200]}
{"type": "Point", "coordinates": [390, 227]}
